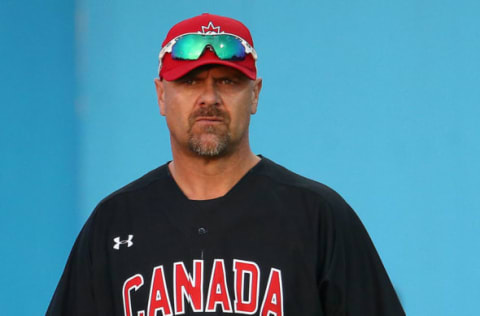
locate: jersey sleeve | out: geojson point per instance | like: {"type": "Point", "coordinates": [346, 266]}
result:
{"type": "Point", "coordinates": [353, 281]}
{"type": "Point", "coordinates": [74, 295]}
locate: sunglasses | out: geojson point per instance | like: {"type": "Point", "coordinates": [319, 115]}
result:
{"type": "Point", "coordinates": [190, 46]}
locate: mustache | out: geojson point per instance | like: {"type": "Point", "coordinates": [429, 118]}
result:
{"type": "Point", "coordinates": [209, 111]}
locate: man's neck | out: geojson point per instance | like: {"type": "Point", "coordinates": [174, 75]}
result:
{"type": "Point", "coordinates": [204, 178]}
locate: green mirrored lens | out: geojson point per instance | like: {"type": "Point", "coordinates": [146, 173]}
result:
{"type": "Point", "coordinates": [189, 47]}
{"type": "Point", "coordinates": [228, 47]}
{"type": "Point", "coordinates": [192, 46]}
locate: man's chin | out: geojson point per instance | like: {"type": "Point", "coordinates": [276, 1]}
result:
{"type": "Point", "coordinates": [209, 145]}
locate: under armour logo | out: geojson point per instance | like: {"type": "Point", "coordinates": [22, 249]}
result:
{"type": "Point", "coordinates": [119, 242]}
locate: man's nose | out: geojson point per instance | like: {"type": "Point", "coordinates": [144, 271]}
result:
{"type": "Point", "coordinates": [210, 94]}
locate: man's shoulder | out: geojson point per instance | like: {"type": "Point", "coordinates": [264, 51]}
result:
{"type": "Point", "coordinates": [294, 189]}
{"type": "Point", "coordinates": [284, 177]}
{"type": "Point", "coordinates": [152, 180]}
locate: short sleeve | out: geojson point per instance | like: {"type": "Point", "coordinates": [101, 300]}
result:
{"type": "Point", "coordinates": [74, 295]}
{"type": "Point", "coordinates": [354, 281]}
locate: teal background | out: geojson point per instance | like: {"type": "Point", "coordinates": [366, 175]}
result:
{"type": "Point", "coordinates": [377, 99]}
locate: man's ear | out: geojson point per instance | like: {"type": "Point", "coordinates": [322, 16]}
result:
{"type": "Point", "coordinates": [159, 86]}
{"type": "Point", "coordinates": [257, 87]}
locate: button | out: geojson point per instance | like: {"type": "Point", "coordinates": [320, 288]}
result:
{"type": "Point", "coordinates": [202, 231]}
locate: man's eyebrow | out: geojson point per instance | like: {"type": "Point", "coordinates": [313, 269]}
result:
{"type": "Point", "coordinates": [237, 77]}
{"type": "Point", "coordinates": [189, 76]}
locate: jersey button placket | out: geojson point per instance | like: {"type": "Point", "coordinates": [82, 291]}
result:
{"type": "Point", "coordinates": [202, 231]}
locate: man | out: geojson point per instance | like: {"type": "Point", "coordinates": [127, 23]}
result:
{"type": "Point", "coordinates": [219, 229]}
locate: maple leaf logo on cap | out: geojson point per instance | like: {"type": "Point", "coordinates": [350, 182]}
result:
{"type": "Point", "coordinates": [210, 29]}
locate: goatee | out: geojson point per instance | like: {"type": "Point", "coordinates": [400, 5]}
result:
{"type": "Point", "coordinates": [209, 140]}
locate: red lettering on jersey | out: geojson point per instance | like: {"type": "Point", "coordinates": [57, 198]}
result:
{"type": "Point", "coordinates": [134, 282]}
{"type": "Point", "coordinates": [187, 287]}
{"type": "Point", "coordinates": [158, 299]}
{"type": "Point", "coordinates": [273, 300]}
{"type": "Point", "coordinates": [217, 290]}
{"type": "Point", "coordinates": [249, 304]}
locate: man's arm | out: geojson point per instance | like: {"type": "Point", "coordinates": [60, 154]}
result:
{"type": "Point", "coordinates": [74, 294]}
{"type": "Point", "coordinates": [354, 281]}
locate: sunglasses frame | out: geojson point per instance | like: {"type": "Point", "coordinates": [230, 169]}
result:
{"type": "Point", "coordinates": [169, 46]}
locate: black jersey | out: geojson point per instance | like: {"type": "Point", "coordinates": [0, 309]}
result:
{"type": "Point", "coordinates": [275, 244]}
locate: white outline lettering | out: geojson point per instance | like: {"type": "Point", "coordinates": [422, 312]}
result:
{"type": "Point", "coordinates": [158, 294]}
{"type": "Point", "coordinates": [180, 306]}
{"type": "Point", "coordinates": [274, 298]}
{"type": "Point", "coordinates": [239, 299]}
{"type": "Point", "coordinates": [229, 302]}
{"type": "Point", "coordinates": [127, 306]}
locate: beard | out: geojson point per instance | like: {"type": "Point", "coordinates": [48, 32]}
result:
{"type": "Point", "coordinates": [209, 140]}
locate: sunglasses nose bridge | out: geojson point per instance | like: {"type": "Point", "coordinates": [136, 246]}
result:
{"type": "Point", "coordinates": [209, 47]}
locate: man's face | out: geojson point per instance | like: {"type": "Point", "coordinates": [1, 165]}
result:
{"type": "Point", "coordinates": [208, 110]}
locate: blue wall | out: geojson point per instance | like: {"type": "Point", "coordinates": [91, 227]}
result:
{"type": "Point", "coordinates": [377, 99]}
{"type": "Point", "coordinates": [38, 145]}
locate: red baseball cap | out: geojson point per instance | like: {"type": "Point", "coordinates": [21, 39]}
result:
{"type": "Point", "coordinates": [172, 69]}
